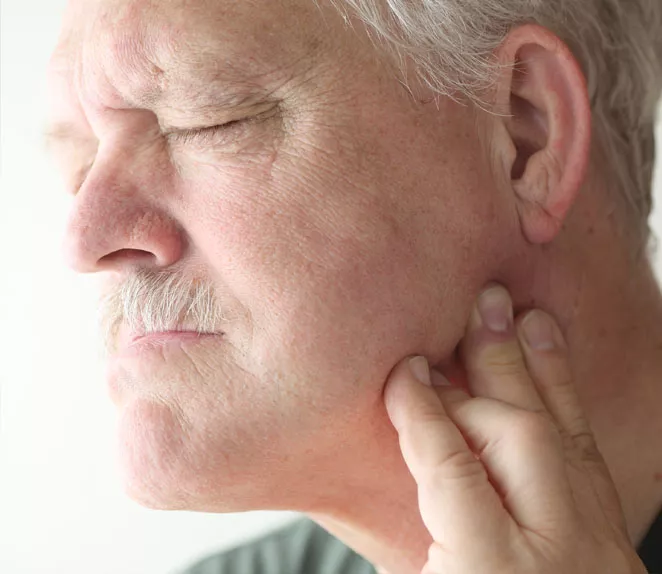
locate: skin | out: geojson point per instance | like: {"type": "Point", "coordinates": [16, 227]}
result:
{"type": "Point", "coordinates": [344, 227]}
{"type": "Point", "coordinates": [510, 479]}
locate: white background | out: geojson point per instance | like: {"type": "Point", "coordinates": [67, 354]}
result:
{"type": "Point", "coordinates": [61, 505]}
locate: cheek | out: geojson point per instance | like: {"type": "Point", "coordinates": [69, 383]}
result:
{"type": "Point", "coordinates": [321, 266]}
{"type": "Point", "coordinates": [343, 280]}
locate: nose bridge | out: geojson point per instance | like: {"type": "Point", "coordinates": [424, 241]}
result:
{"type": "Point", "coordinates": [121, 214]}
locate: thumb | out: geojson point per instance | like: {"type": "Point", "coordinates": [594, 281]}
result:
{"type": "Point", "coordinates": [458, 504]}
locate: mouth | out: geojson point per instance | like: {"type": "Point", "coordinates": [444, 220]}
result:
{"type": "Point", "coordinates": [143, 346]}
{"type": "Point", "coordinates": [130, 340]}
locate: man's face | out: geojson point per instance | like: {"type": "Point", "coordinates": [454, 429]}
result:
{"type": "Point", "coordinates": [339, 223]}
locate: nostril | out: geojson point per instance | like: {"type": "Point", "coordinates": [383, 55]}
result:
{"type": "Point", "coordinates": [124, 257]}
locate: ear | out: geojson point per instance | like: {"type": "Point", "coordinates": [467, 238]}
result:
{"type": "Point", "coordinates": [544, 148]}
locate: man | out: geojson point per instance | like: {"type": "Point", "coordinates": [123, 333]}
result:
{"type": "Point", "coordinates": [289, 197]}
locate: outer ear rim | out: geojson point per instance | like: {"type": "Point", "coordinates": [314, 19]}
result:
{"type": "Point", "coordinates": [542, 219]}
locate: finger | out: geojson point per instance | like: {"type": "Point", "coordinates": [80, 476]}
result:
{"type": "Point", "coordinates": [546, 356]}
{"type": "Point", "coordinates": [457, 501]}
{"type": "Point", "coordinates": [523, 455]}
{"type": "Point", "coordinates": [492, 355]}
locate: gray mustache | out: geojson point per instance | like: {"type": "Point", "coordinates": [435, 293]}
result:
{"type": "Point", "coordinates": [150, 301]}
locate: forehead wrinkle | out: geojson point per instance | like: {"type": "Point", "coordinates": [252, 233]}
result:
{"type": "Point", "coordinates": [152, 71]}
{"type": "Point", "coordinates": [138, 54]}
{"type": "Point", "coordinates": [125, 60]}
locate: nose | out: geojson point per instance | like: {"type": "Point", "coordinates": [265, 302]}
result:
{"type": "Point", "coordinates": [117, 222]}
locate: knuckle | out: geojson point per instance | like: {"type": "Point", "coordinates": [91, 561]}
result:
{"type": "Point", "coordinates": [561, 380]}
{"type": "Point", "coordinates": [429, 417]}
{"type": "Point", "coordinates": [460, 465]}
{"type": "Point", "coordinates": [502, 359]}
{"type": "Point", "coordinates": [583, 438]}
{"type": "Point", "coordinates": [584, 442]}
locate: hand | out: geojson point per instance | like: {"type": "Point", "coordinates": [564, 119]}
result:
{"type": "Point", "coordinates": [510, 480]}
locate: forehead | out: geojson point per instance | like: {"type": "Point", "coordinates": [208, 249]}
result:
{"type": "Point", "coordinates": [134, 49]}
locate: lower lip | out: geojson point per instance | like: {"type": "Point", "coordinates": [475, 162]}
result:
{"type": "Point", "coordinates": [139, 353]}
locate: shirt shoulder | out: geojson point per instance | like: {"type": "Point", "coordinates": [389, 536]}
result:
{"type": "Point", "coordinates": [299, 548]}
{"type": "Point", "coordinates": [650, 549]}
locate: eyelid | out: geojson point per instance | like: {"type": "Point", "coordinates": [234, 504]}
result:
{"type": "Point", "coordinates": [200, 134]}
{"type": "Point", "coordinates": [197, 134]}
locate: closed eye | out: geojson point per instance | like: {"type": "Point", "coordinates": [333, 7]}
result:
{"type": "Point", "coordinates": [206, 135]}
{"type": "Point", "coordinates": [221, 133]}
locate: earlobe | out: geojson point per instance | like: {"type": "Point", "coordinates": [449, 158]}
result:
{"type": "Point", "coordinates": [548, 126]}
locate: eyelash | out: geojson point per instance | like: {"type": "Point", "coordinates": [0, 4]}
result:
{"type": "Point", "coordinates": [207, 135]}
{"type": "Point", "coordinates": [210, 135]}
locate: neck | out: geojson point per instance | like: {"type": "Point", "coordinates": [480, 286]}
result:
{"type": "Point", "coordinates": [613, 324]}
{"type": "Point", "coordinates": [616, 358]}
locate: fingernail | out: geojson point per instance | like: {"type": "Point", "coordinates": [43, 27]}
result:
{"type": "Point", "coordinates": [438, 380]}
{"type": "Point", "coordinates": [496, 309]}
{"type": "Point", "coordinates": [420, 369]}
{"type": "Point", "coordinates": [538, 331]}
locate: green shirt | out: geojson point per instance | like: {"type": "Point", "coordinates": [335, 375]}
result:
{"type": "Point", "coordinates": [300, 548]}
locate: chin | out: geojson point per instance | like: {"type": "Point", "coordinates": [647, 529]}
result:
{"type": "Point", "coordinates": [160, 468]}
{"type": "Point", "coordinates": [166, 465]}
{"type": "Point", "coordinates": [149, 453]}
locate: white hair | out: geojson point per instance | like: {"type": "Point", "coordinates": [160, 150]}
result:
{"type": "Point", "coordinates": [618, 43]}
{"type": "Point", "coordinates": [148, 301]}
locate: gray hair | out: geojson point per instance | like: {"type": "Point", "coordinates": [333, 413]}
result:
{"type": "Point", "coordinates": [618, 43]}
{"type": "Point", "coordinates": [149, 301]}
